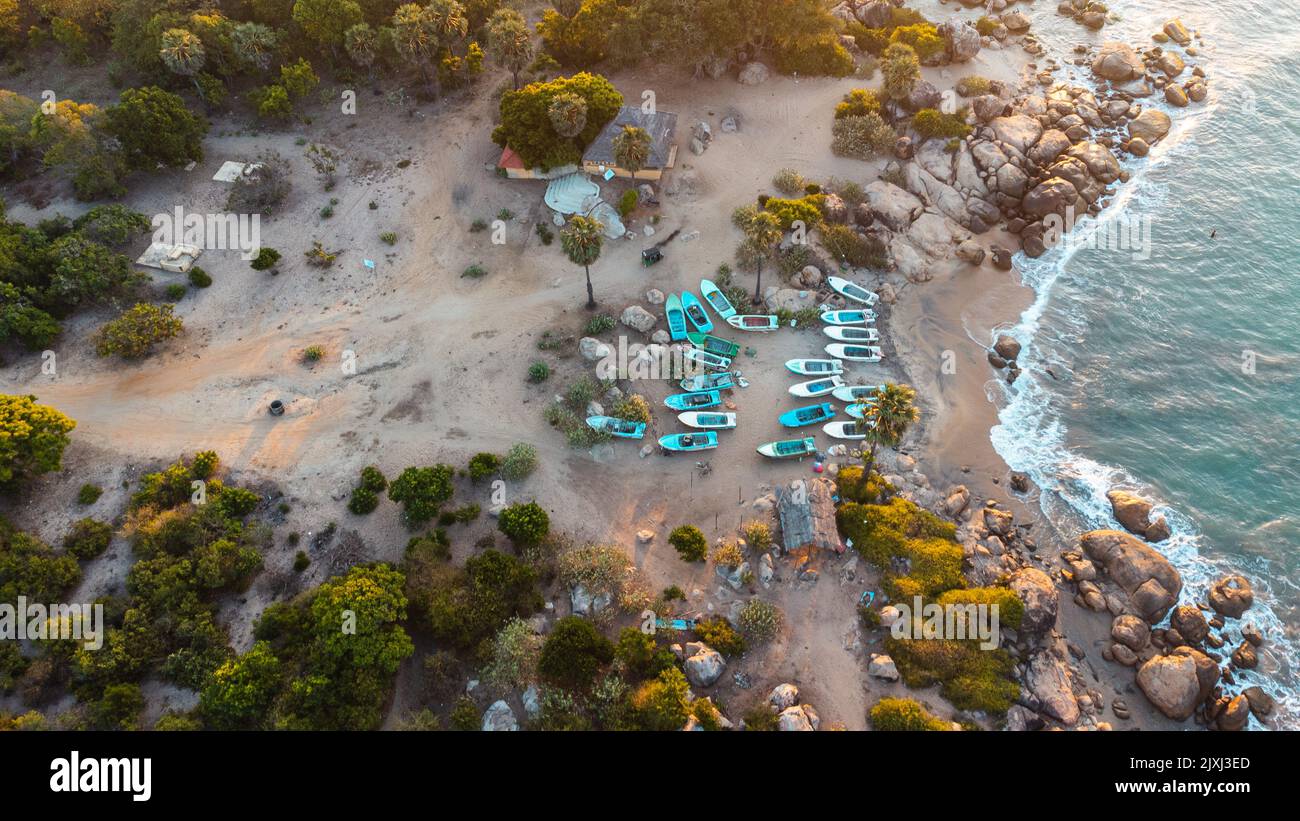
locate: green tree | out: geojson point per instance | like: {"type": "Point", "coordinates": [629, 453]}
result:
{"type": "Point", "coordinates": [661, 704]}
{"type": "Point", "coordinates": [690, 543]}
{"type": "Point", "coordinates": [238, 693]}
{"type": "Point", "coordinates": [631, 148]}
{"type": "Point", "coordinates": [762, 230]}
{"type": "Point", "coordinates": [120, 707]}
{"type": "Point", "coordinates": [32, 439]}
{"type": "Point", "coordinates": [154, 126]}
{"type": "Point", "coordinates": [568, 114]}
{"type": "Point", "coordinates": [510, 43]}
{"type": "Point", "coordinates": [888, 418]}
{"type": "Point", "coordinates": [254, 45]}
{"type": "Point", "coordinates": [422, 33]}
{"type": "Point", "coordinates": [524, 524]}
{"type": "Point", "coordinates": [298, 78]}
{"type": "Point", "coordinates": [573, 653]}
{"type": "Point", "coordinates": [325, 21]}
{"type": "Point", "coordinates": [581, 240]}
{"type": "Point", "coordinates": [362, 45]}
{"type": "Point", "coordinates": [422, 491]}
{"type": "Point", "coordinates": [182, 52]}
{"type": "Point", "coordinates": [527, 129]}
{"type": "Point", "coordinates": [84, 270]}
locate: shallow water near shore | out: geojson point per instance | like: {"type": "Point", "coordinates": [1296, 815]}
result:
{"type": "Point", "coordinates": [1177, 374]}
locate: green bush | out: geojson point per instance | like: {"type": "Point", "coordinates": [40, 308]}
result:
{"type": "Point", "coordinates": [464, 716]}
{"type": "Point", "coordinates": [266, 258]}
{"type": "Point", "coordinates": [363, 501]}
{"type": "Point", "coordinates": [922, 37]}
{"type": "Point", "coordinates": [718, 633]}
{"type": "Point", "coordinates": [539, 371]}
{"type": "Point", "coordinates": [974, 85]}
{"type": "Point", "coordinates": [807, 209]}
{"type": "Point", "coordinates": [388, 237]}
{"type": "Point", "coordinates": [520, 462]}
{"type": "Point", "coordinates": [758, 535]}
{"type": "Point", "coordinates": [627, 202]}
{"type": "Point", "coordinates": [900, 529]}
{"type": "Point", "coordinates": [88, 538]}
{"type": "Point", "coordinates": [904, 715]}
{"type": "Point", "coordinates": [135, 333]}
{"type": "Point", "coordinates": [968, 677]}
{"type": "Point", "coordinates": [661, 704]}
{"type": "Point", "coordinates": [759, 620]}
{"type": "Point", "coordinates": [422, 491]}
{"type": "Point", "coordinates": [818, 56]}
{"type": "Point", "coordinates": [870, 41]}
{"type": "Point", "coordinates": [1009, 606]}
{"type": "Point", "coordinates": [851, 487]}
{"type": "Point", "coordinates": [931, 123]}
{"type": "Point", "coordinates": [690, 543]}
{"type": "Point", "coordinates": [89, 494]}
{"type": "Point", "coordinates": [859, 251]}
{"type": "Point", "coordinates": [986, 25]}
{"type": "Point", "coordinates": [640, 656]}
{"type": "Point", "coordinates": [599, 324]}
{"type": "Point", "coordinates": [199, 278]}
{"type": "Point", "coordinates": [573, 653]}
{"type": "Point", "coordinates": [524, 524]}
{"type": "Point", "coordinates": [483, 466]}
{"type": "Point", "coordinates": [175, 291]}
{"type": "Point", "coordinates": [857, 103]}
{"type": "Point", "coordinates": [862, 137]}
{"type": "Point", "coordinates": [633, 408]}
{"type": "Point", "coordinates": [372, 478]}
{"type": "Point", "coordinates": [301, 561]}
{"type": "Point", "coordinates": [788, 181]}
{"type": "Point", "coordinates": [474, 271]}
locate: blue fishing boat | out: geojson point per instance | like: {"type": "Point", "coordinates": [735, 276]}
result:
{"type": "Point", "coordinates": [708, 360]}
{"type": "Point", "coordinates": [809, 415]}
{"type": "Point", "coordinates": [696, 400]}
{"type": "Point", "coordinates": [706, 420]}
{"type": "Point", "coordinates": [717, 300]}
{"type": "Point", "coordinates": [695, 312]}
{"type": "Point", "coordinates": [708, 382]}
{"type": "Point", "coordinates": [676, 317]}
{"type": "Point", "coordinates": [614, 426]}
{"type": "Point", "coordinates": [705, 440]}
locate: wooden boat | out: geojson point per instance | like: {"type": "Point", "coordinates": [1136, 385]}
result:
{"type": "Point", "coordinates": [617, 427]}
{"type": "Point", "coordinates": [841, 333]}
{"type": "Point", "coordinates": [810, 415]}
{"type": "Point", "coordinates": [754, 322]}
{"type": "Point", "coordinates": [855, 317]}
{"type": "Point", "coordinates": [706, 420]}
{"type": "Point", "coordinates": [676, 317]}
{"type": "Point", "coordinates": [854, 353]}
{"type": "Point", "coordinates": [713, 344]}
{"type": "Point", "coordinates": [695, 312]}
{"type": "Point", "coordinates": [789, 448]}
{"type": "Point", "coordinates": [708, 360]}
{"type": "Point", "coordinates": [852, 393]}
{"type": "Point", "coordinates": [852, 291]}
{"type": "Point", "coordinates": [850, 429]}
{"type": "Point", "coordinates": [689, 441]}
{"type": "Point", "coordinates": [717, 300]}
{"type": "Point", "coordinates": [708, 382]}
{"type": "Point", "coordinates": [814, 367]}
{"type": "Point", "coordinates": [816, 387]}
{"type": "Point", "coordinates": [695, 400]}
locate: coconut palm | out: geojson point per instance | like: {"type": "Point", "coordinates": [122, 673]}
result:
{"type": "Point", "coordinates": [421, 34]}
{"type": "Point", "coordinates": [888, 418]}
{"type": "Point", "coordinates": [581, 240]}
{"type": "Point", "coordinates": [762, 233]}
{"type": "Point", "coordinates": [631, 149]}
{"type": "Point", "coordinates": [253, 44]}
{"type": "Point", "coordinates": [509, 42]}
{"type": "Point", "coordinates": [361, 43]}
{"type": "Point", "coordinates": [568, 114]}
{"type": "Point", "coordinates": [182, 52]}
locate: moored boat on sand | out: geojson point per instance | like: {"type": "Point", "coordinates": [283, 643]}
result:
{"type": "Point", "coordinates": [815, 367]}
{"type": "Point", "coordinates": [809, 415]}
{"type": "Point", "coordinates": [816, 387]}
{"type": "Point", "coordinates": [717, 300]}
{"type": "Point", "coordinates": [754, 322]}
{"type": "Point", "coordinates": [853, 291]}
{"type": "Point", "coordinates": [696, 400]}
{"type": "Point", "coordinates": [676, 317]}
{"type": "Point", "coordinates": [707, 420]}
{"type": "Point", "coordinates": [705, 440]}
{"type": "Point", "coordinates": [789, 448]}
{"type": "Point", "coordinates": [614, 426]}
{"type": "Point", "coordinates": [854, 353]}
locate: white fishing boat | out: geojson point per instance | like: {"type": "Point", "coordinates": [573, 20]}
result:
{"type": "Point", "coordinates": [853, 291]}
{"type": "Point", "coordinates": [817, 387]}
{"type": "Point", "coordinates": [850, 429]}
{"type": "Point", "coordinates": [842, 333]}
{"type": "Point", "coordinates": [707, 420]}
{"type": "Point", "coordinates": [855, 393]}
{"type": "Point", "coordinates": [814, 367]}
{"type": "Point", "coordinates": [854, 353]}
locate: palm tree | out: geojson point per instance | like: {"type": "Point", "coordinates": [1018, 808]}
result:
{"type": "Point", "coordinates": [631, 149]}
{"type": "Point", "coordinates": [568, 114]}
{"type": "Point", "coordinates": [362, 43]}
{"type": "Point", "coordinates": [509, 43]}
{"type": "Point", "coordinates": [420, 34]}
{"type": "Point", "coordinates": [762, 233]}
{"type": "Point", "coordinates": [888, 419]}
{"type": "Point", "coordinates": [253, 44]}
{"type": "Point", "coordinates": [183, 53]}
{"type": "Point", "coordinates": [581, 240]}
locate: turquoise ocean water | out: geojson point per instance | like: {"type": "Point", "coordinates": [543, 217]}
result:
{"type": "Point", "coordinates": [1178, 374]}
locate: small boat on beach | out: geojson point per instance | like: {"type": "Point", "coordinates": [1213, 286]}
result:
{"type": "Point", "coordinates": [707, 420]}
{"type": "Point", "coordinates": [842, 333]}
{"type": "Point", "coordinates": [815, 367]}
{"type": "Point", "coordinates": [754, 322]}
{"type": "Point", "coordinates": [689, 441]}
{"type": "Point", "coordinates": [713, 344]}
{"type": "Point", "coordinates": [693, 401]}
{"type": "Point", "coordinates": [851, 429]}
{"type": "Point", "coordinates": [676, 317]}
{"type": "Point", "coordinates": [695, 312]}
{"type": "Point", "coordinates": [789, 448]}
{"type": "Point", "coordinates": [816, 387]}
{"type": "Point", "coordinates": [717, 300]}
{"type": "Point", "coordinates": [857, 410]}
{"type": "Point", "coordinates": [852, 291]}
{"type": "Point", "coordinates": [853, 393]}
{"type": "Point", "coordinates": [855, 317]}
{"type": "Point", "coordinates": [614, 426]}
{"type": "Point", "coordinates": [810, 415]}
{"type": "Point", "coordinates": [854, 353]}
{"type": "Point", "coordinates": [708, 382]}
{"type": "Point", "coordinates": [708, 360]}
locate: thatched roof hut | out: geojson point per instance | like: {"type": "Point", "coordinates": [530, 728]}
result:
{"type": "Point", "coordinates": [806, 508]}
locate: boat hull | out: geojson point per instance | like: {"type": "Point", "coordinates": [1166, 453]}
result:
{"type": "Point", "coordinates": [685, 442]}
{"type": "Point", "coordinates": [852, 291]}
{"type": "Point", "coordinates": [815, 367]}
{"type": "Point", "coordinates": [843, 430]}
{"type": "Point", "coordinates": [704, 420]}
{"type": "Point", "coordinates": [753, 322]}
{"type": "Point", "coordinates": [708, 382]}
{"type": "Point", "coordinates": [695, 312]}
{"type": "Point", "coordinates": [697, 400]}
{"type": "Point", "coordinates": [617, 427]}
{"type": "Point", "coordinates": [676, 317]}
{"type": "Point", "coordinates": [717, 300]}
{"type": "Point", "coordinates": [850, 317]}
{"type": "Point", "coordinates": [816, 387]}
{"type": "Point", "coordinates": [855, 336]}
{"type": "Point", "coordinates": [713, 344]}
{"type": "Point", "coordinates": [810, 415]}
{"type": "Point", "coordinates": [852, 393]}
{"type": "Point", "coordinates": [789, 448]}
{"type": "Point", "coordinates": [708, 360]}
{"type": "Point", "coordinates": [854, 353]}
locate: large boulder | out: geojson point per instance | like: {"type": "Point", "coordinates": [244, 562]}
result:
{"type": "Point", "coordinates": [1051, 145]}
{"type": "Point", "coordinates": [1130, 631]}
{"type": "Point", "coordinates": [1151, 582]}
{"type": "Point", "coordinates": [499, 718]}
{"type": "Point", "coordinates": [988, 106]}
{"type": "Point", "coordinates": [783, 696]}
{"type": "Point", "coordinates": [874, 15]}
{"type": "Point", "coordinates": [1101, 164]}
{"type": "Point", "coordinates": [705, 667]}
{"type": "Point", "coordinates": [1178, 682]}
{"type": "Point", "coordinates": [892, 205]}
{"type": "Point", "coordinates": [1019, 130]}
{"type": "Point", "coordinates": [1231, 596]}
{"type": "Point", "coordinates": [1149, 126]}
{"type": "Point", "coordinates": [1007, 347]}
{"type": "Point", "coordinates": [1015, 21]}
{"type": "Point", "coordinates": [592, 349]}
{"type": "Point", "coordinates": [1036, 591]}
{"type": "Point", "coordinates": [1117, 62]}
{"type": "Point", "coordinates": [883, 667]}
{"type": "Point", "coordinates": [1048, 678]}
{"type": "Point", "coordinates": [961, 39]}
{"type": "Point", "coordinates": [1190, 623]}
{"type": "Point", "coordinates": [638, 318]}
{"type": "Point", "coordinates": [798, 719]}
{"type": "Point", "coordinates": [1176, 31]}
{"type": "Point", "coordinates": [753, 74]}
{"type": "Point", "coordinates": [923, 95]}
{"type": "Point", "coordinates": [1051, 196]}
{"type": "Point", "coordinates": [1130, 510]}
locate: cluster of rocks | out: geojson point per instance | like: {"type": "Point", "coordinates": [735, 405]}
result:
{"type": "Point", "coordinates": [791, 715]}
{"type": "Point", "coordinates": [1087, 13]}
{"type": "Point", "coordinates": [1003, 355]}
{"type": "Point", "coordinates": [1178, 666]}
{"type": "Point", "coordinates": [1134, 514]}
{"type": "Point", "coordinates": [701, 138]}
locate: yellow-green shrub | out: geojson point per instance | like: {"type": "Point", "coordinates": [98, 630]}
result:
{"type": "Point", "coordinates": [904, 715]}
